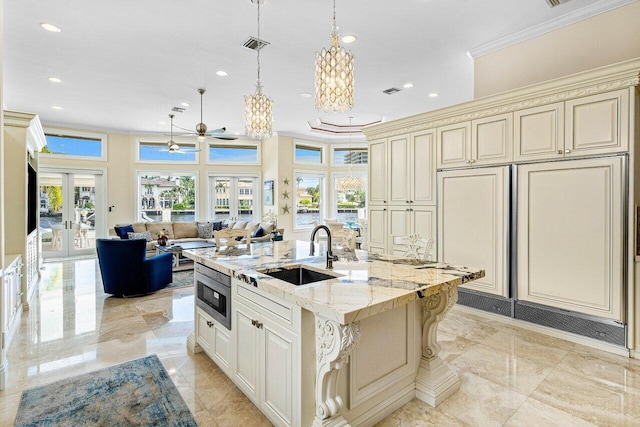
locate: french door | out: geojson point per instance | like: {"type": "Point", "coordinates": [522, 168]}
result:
{"type": "Point", "coordinates": [70, 212]}
{"type": "Point", "coordinates": [235, 197]}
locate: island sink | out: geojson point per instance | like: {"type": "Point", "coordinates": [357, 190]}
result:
{"type": "Point", "coordinates": [298, 275]}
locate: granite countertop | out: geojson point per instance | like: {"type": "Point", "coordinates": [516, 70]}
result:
{"type": "Point", "coordinates": [367, 284]}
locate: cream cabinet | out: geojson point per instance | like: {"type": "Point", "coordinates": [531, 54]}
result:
{"type": "Point", "coordinates": [378, 172]}
{"type": "Point", "coordinates": [539, 132]}
{"type": "Point", "coordinates": [377, 228]}
{"type": "Point", "coordinates": [214, 339]}
{"type": "Point", "coordinates": [11, 297]}
{"type": "Point", "coordinates": [597, 124]}
{"type": "Point", "coordinates": [411, 220]}
{"type": "Point", "coordinates": [473, 222]}
{"type": "Point", "coordinates": [485, 141]}
{"type": "Point", "coordinates": [570, 235]}
{"type": "Point", "coordinates": [411, 169]}
{"type": "Point", "coordinates": [267, 353]}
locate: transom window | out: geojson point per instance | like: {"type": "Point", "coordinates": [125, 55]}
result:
{"type": "Point", "coordinates": [75, 144]}
{"type": "Point", "coordinates": [309, 154]}
{"type": "Point", "coordinates": [158, 151]}
{"type": "Point", "coordinates": [350, 156]}
{"type": "Point", "coordinates": [234, 154]}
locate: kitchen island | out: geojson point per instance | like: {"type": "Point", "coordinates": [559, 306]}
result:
{"type": "Point", "coordinates": [348, 349]}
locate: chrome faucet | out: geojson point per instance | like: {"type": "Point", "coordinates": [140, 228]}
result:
{"type": "Point", "coordinates": [330, 256]}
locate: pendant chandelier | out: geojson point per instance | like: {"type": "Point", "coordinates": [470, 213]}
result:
{"type": "Point", "coordinates": [257, 107]}
{"type": "Point", "coordinates": [350, 183]}
{"type": "Point", "coordinates": [334, 75]}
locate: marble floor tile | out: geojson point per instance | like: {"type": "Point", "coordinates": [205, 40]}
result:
{"type": "Point", "coordinates": [502, 367]}
{"type": "Point", "coordinates": [533, 413]}
{"type": "Point", "coordinates": [480, 402]}
{"type": "Point", "coordinates": [509, 376]}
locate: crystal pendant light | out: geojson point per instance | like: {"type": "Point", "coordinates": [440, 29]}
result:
{"type": "Point", "coordinates": [350, 182]}
{"type": "Point", "coordinates": [334, 75]}
{"type": "Point", "coordinates": [257, 107]}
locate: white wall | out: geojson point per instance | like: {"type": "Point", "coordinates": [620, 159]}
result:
{"type": "Point", "coordinates": [604, 39]}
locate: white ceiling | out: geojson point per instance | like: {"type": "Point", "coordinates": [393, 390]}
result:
{"type": "Point", "coordinates": [124, 64]}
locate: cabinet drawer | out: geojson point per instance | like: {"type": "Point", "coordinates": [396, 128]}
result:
{"type": "Point", "coordinates": [256, 300]}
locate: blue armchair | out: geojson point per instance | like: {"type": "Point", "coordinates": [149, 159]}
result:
{"type": "Point", "coordinates": [126, 271]}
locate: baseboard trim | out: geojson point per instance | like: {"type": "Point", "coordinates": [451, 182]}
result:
{"type": "Point", "coordinates": [568, 336]}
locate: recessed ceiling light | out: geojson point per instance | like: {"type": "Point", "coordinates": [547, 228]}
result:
{"type": "Point", "coordinates": [57, 107]}
{"type": "Point", "coordinates": [54, 79]}
{"type": "Point", "coordinates": [349, 38]}
{"type": "Point", "coordinates": [305, 95]}
{"type": "Point", "coordinates": [185, 104]}
{"type": "Point", "coordinates": [407, 85]}
{"type": "Point", "coordinates": [221, 73]}
{"type": "Point", "coordinates": [469, 55]}
{"type": "Point", "coordinates": [162, 123]}
{"type": "Point", "coordinates": [433, 95]}
{"type": "Point", "coordinates": [50, 27]}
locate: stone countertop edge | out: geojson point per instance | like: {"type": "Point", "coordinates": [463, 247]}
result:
{"type": "Point", "coordinates": [347, 298]}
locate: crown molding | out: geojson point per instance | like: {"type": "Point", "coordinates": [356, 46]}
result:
{"type": "Point", "coordinates": [546, 27]}
{"type": "Point", "coordinates": [35, 135]}
{"type": "Point", "coordinates": [604, 79]}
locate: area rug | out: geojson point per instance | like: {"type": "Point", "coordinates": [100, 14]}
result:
{"type": "Point", "coordinates": [135, 393]}
{"type": "Point", "coordinates": [181, 279]}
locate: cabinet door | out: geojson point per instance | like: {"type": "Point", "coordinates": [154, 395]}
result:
{"type": "Point", "coordinates": [204, 331]}
{"type": "Point", "coordinates": [377, 229]}
{"type": "Point", "coordinates": [422, 168]}
{"type": "Point", "coordinates": [539, 133]}
{"type": "Point", "coordinates": [423, 222]}
{"type": "Point", "coordinates": [472, 224]}
{"type": "Point", "coordinates": [222, 350]}
{"type": "Point", "coordinates": [278, 356]}
{"type": "Point", "coordinates": [597, 124]}
{"type": "Point", "coordinates": [378, 172]}
{"type": "Point", "coordinates": [246, 339]}
{"type": "Point", "coordinates": [492, 140]}
{"type": "Point", "coordinates": [399, 225]}
{"type": "Point", "coordinates": [399, 150]}
{"type": "Point", "coordinates": [570, 235]}
{"type": "Point", "coordinates": [454, 145]}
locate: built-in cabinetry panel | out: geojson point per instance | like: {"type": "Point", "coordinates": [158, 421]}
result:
{"type": "Point", "coordinates": [473, 217]}
{"type": "Point", "coordinates": [539, 132]}
{"type": "Point", "coordinates": [570, 235]}
{"type": "Point", "coordinates": [454, 145]}
{"type": "Point", "coordinates": [404, 220]}
{"type": "Point", "coordinates": [378, 181]}
{"type": "Point", "coordinates": [11, 297]}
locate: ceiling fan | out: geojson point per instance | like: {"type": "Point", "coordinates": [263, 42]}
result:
{"type": "Point", "coordinates": [201, 128]}
{"type": "Point", "coordinates": [172, 146]}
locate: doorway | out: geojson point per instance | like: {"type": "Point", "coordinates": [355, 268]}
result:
{"type": "Point", "coordinates": [235, 197]}
{"type": "Point", "coordinates": [70, 212]}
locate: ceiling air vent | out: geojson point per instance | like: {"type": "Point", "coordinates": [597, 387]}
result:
{"type": "Point", "coordinates": [254, 43]}
{"type": "Point", "coordinates": [554, 3]}
{"type": "Point", "coordinates": [391, 90]}
{"type": "Point", "coordinates": [178, 109]}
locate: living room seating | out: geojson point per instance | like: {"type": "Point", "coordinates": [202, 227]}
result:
{"type": "Point", "coordinates": [125, 270]}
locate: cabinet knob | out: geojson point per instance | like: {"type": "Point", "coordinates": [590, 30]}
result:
{"type": "Point", "coordinates": [567, 151]}
{"type": "Point", "coordinates": [406, 201]}
{"type": "Point", "coordinates": [473, 161]}
{"type": "Point", "coordinates": [259, 325]}
{"type": "Point", "coordinates": [560, 152]}
{"type": "Point", "coordinates": [253, 322]}
{"type": "Point", "coordinates": [209, 323]}
{"type": "Point", "coordinates": [468, 161]}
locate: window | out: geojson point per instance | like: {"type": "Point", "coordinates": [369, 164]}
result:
{"type": "Point", "coordinates": [350, 196]}
{"type": "Point", "coordinates": [233, 197]}
{"type": "Point", "coordinates": [157, 151]}
{"type": "Point", "coordinates": [350, 156]}
{"type": "Point", "coordinates": [308, 153]}
{"type": "Point", "coordinates": [166, 197]}
{"type": "Point", "coordinates": [309, 199]}
{"type": "Point", "coordinates": [75, 144]}
{"type": "Point", "coordinates": [234, 154]}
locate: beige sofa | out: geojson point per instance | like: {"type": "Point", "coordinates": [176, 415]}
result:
{"type": "Point", "coordinates": [188, 231]}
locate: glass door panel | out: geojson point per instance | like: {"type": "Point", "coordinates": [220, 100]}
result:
{"type": "Point", "coordinates": [221, 196]}
{"type": "Point", "coordinates": [244, 198]}
{"type": "Point", "coordinates": [84, 212]}
{"type": "Point", "coordinates": [234, 198]}
{"type": "Point", "coordinates": [51, 214]}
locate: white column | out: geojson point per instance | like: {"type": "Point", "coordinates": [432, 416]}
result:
{"type": "Point", "coordinates": [435, 380]}
{"type": "Point", "coordinates": [334, 344]}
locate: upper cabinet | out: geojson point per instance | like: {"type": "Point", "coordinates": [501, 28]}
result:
{"type": "Point", "coordinates": [378, 172]}
{"type": "Point", "coordinates": [597, 124]}
{"type": "Point", "coordinates": [592, 125]}
{"type": "Point", "coordinates": [485, 141]}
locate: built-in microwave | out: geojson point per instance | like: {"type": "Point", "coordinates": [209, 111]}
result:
{"type": "Point", "coordinates": [213, 294]}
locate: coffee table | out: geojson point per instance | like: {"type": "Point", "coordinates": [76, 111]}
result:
{"type": "Point", "coordinates": [179, 262]}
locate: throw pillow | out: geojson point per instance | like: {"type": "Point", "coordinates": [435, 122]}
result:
{"type": "Point", "coordinates": [217, 225]}
{"type": "Point", "coordinates": [205, 231]}
{"type": "Point", "coordinates": [258, 233]}
{"type": "Point", "coordinates": [122, 230]}
{"type": "Point", "coordinates": [146, 235]}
